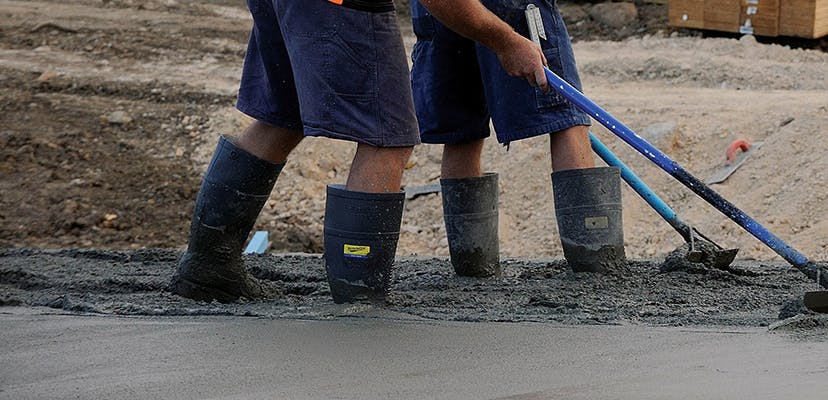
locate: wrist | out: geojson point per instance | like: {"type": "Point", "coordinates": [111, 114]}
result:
{"type": "Point", "coordinates": [501, 38]}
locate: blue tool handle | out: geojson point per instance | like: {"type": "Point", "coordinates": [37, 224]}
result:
{"type": "Point", "coordinates": [626, 134]}
{"type": "Point", "coordinates": [640, 187]}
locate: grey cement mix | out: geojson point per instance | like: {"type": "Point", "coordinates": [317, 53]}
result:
{"type": "Point", "coordinates": [750, 294]}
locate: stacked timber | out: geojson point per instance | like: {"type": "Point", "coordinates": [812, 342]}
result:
{"type": "Point", "coordinates": [801, 18]}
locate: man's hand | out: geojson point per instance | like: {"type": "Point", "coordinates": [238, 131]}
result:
{"type": "Point", "coordinates": [523, 59]}
{"type": "Point", "coordinates": [517, 54]}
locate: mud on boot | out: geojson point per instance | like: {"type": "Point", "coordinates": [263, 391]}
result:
{"type": "Point", "coordinates": [588, 210]}
{"type": "Point", "coordinates": [471, 216]}
{"type": "Point", "coordinates": [361, 234]}
{"type": "Point", "coordinates": [234, 190]}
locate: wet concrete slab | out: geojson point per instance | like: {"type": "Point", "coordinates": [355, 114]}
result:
{"type": "Point", "coordinates": [53, 356]}
{"type": "Point", "coordinates": [101, 324]}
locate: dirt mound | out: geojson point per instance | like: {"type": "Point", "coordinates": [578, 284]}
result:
{"type": "Point", "coordinates": [714, 63]}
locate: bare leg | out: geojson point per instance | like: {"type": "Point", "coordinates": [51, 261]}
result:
{"type": "Point", "coordinates": [377, 169]}
{"type": "Point", "coordinates": [570, 149]}
{"type": "Point", "coordinates": [269, 142]}
{"type": "Point", "coordinates": [462, 160]}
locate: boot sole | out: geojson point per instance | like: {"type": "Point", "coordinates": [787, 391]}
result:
{"type": "Point", "coordinates": [343, 291]}
{"type": "Point", "coordinates": [195, 291]}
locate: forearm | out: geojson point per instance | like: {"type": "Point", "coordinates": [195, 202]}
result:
{"type": "Point", "coordinates": [472, 20]}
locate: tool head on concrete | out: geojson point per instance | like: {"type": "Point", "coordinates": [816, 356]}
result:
{"type": "Point", "coordinates": [714, 255]}
{"type": "Point", "coordinates": [716, 258]}
{"type": "Point", "coordinates": [698, 257]}
{"type": "Point", "coordinates": [698, 252]}
{"type": "Point", "coordinates": [817, 300]}
{"type": "Point", "coordinates": [709, 252]}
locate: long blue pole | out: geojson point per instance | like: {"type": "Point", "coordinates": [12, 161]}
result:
{"type": "Point", "coordinates": [626, 134]}
{"type": "Point", "coordinates": [635, 183]}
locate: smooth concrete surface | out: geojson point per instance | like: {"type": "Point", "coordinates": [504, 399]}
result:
{"type": "Point", "coordinates": [94, 357]}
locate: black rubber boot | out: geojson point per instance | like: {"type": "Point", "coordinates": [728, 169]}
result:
{"type": "Point", "coordinates": [588, 209]}
{"type": "Point", "coordinates": [235, 188]}
{"type": "Point", "coordinates": [361, 234]}
{"type": "Point", "coordinates": [470, 212]}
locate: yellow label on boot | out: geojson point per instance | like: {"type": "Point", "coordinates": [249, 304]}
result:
{"type": "Point", "coordinates": [356, 250]}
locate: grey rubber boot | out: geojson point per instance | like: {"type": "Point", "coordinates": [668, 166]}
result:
{"type": "Point", "coordinates": [234, 190]}
{"type": "Point", "coordinates": [470, 213]}
{"type": "Point", "coordinates": [361, 234]}
{"type": "Point", "coordinates": [588, 210]}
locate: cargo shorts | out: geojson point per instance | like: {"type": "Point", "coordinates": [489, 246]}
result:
{"type": "Point", "coordinates": [459, 85]}
{"type": "Point", "coordinates": [330, 70]}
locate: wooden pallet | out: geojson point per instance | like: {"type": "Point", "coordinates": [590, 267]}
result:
{"type": "Point", "coordinates": [802, 18]}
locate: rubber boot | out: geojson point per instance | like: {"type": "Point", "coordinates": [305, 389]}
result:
{"type": "Point", "coordinates": [588, 209]}
{"type": "Point", "coordinates": [361, 234]}
{"type": "Point", "coordinates": [470, 213]}
{"type": "Point", "coordinates": [234, 190]}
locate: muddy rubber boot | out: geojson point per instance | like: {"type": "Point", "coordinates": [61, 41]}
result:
{"type": "Point", "coordinates": [588, 209]}
{"type": "Point", "coordinates": [233, 192]}
{"type": "Point", "coordinates": [361, 234]}
{"type": "Point", "coordinates": [470, 213]}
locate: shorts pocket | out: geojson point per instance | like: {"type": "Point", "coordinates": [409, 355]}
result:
{"type": "Point", "coordinates": [348, 73]}
{"type": "Point", "coordinates": [552, 99]}
{"type": "Point", "coordinates": [554, 48]}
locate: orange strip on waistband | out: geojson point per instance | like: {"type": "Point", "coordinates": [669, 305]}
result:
{"type": "Point", "coordinates": [336, 1]}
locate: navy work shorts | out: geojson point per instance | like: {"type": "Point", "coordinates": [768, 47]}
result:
{"type": "Point", "coordinates": [330, 70]}
{"type": "Point", "coordinates": [459, 84]}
